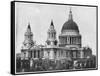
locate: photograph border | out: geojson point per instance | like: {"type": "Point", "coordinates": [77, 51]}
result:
{"type": "Point", "coordinates": [13, 38]}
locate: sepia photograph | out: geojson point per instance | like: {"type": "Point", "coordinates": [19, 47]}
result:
{"type": "Point", "coordinates": [52, 37]}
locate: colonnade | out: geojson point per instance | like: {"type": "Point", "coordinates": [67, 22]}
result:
{"type": "Point", "coordinates": [57, 54]}
{"type": "Point", "coordinates": [70, 40]}
{"type": "Point", "coordinates": [33, 54]}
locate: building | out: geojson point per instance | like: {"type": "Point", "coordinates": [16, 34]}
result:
{"type": "Point", "coordinates": [69, 44]}
{"type": "Point", "coordinates": [29, 49]}
{"type": "Point", "coordinates": [67, 48]}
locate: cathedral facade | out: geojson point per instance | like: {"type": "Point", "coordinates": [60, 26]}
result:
{"type": "Point", "coordinates": [67, 48]}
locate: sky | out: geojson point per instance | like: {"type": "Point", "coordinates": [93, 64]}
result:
{"type": "Point", "coordinates": [40, 15]}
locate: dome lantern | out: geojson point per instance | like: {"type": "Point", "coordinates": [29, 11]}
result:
{"type": "Point", "coordinates": [70, 15]}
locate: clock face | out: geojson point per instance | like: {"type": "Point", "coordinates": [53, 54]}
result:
{"type": "Point", "coordinates": [48, 42]}
{"type": "Point", "coordinates": [28, 45]}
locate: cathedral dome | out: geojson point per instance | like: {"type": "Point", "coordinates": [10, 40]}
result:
{"type": "Point", "coordinates": [70, 24]}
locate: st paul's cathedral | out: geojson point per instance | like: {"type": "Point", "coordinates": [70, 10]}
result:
{"type": "Point", "coordinates": [67, 48]}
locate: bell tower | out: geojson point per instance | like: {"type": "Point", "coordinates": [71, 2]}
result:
{"type": "Point", "coordinates": [28, 42]}
{"type": "Point", "coordinates": [51, 35]}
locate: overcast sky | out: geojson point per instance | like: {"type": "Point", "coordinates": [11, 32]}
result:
{"type": "Point", "coordinates": [40, 15]}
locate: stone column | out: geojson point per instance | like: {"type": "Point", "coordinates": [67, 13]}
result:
{"type": "Point", "coordinates": [70, 40]}
{"type": "Point", "coordinates": [75, 40]}
{"type": "Point", "coordinates": [39, 53]}
{"type": "Point", "coordinates": [24, 55]}
{"type": "Point", "coordinates": [51, 54]}
{"type": "Point", "coordinates": [68, 54]}
{"type": "Point", "coordinates": [31, 63]}
{"type": "Point", "coordinates": [52, 43]}
{"type": "Point", "coordinates": [36, 54]}
{"type": "Point", "coordinates": [57, 54]}
{"type": "Point", "coordinates": [32, 54]}
{"type": "Point", "coordinates": [78, 41]}
{"type": "Point", "coordinates": [48, 54]}
{"type": "Point", "coordinates": [74, 54]}
{"type": "Point", "coordinates": [45, 53]}
{"type": "Point", "coordinates": [81, 54]}
{"type": "Point", "coordinates": [64, 53]}
{"type": "Point", "coordinates": [42, 53]}
{"type": "Point", "coordinates": [60, 53]}
{"type": "Point", "coordinates": [27, 54]}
